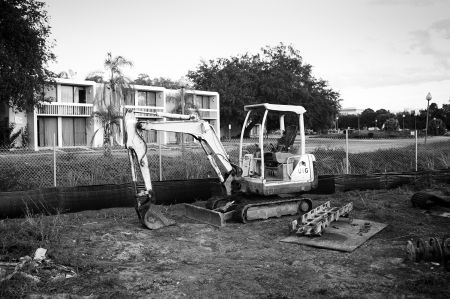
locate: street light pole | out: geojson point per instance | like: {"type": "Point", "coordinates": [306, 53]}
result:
{"type": "Point", "coordinates": [337, 123]}
{"type": "Point", "coordinates": [403, 122]}
{"type": "Point", "coordinates": [428, 98]}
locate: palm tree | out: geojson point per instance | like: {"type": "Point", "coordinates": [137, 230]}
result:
{"type": "Point", "coordinates": [109, 120]}
{"type": "Point", "coordinates": [109, 115]}
{"type": "Point", "coordinates": [116, 82]}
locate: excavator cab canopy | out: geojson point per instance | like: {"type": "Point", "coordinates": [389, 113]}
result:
{"type": "Point", "coordinates": [299, 110]}
{"type": "Point", "coordinates": [275, 107]}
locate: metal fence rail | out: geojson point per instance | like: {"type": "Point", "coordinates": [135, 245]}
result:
{"type": "Point", "coordinates": [26, 169]}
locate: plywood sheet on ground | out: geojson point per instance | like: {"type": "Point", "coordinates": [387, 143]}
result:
{"type": "Point", "coordinates": [341, 235]}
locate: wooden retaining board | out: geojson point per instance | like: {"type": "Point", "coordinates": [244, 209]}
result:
{"type": "Point", "coordinates": [341, 235]}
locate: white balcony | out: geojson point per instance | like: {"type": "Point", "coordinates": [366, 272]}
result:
{"type": "Point", "coordinates": [65, 109]}
{"type": "Point", "coordinates": [208, 113]}
{"type": "Point", "coordinates": [146, 110]}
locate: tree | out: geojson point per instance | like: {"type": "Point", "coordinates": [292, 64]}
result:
{"type": "Point", "coordinates": [276, 75]}
{"type": "Point", "coordinates": [436, 127]}
{"type": "Point", "coordinates": [109, 114]}
{"type": "Point", "coordinates": [24, 53]}
{"type": "Point", "coordinates": [116, 82]}
{"type": "Point", "coordinates": [446, 115]}
{"type": "Point", "coordinates": [143, 79]}
{"type": "Point", "coordinates": [383, 115]}
{"type": "Point", "coordinates": [95, 76]}
{"type": "Point", "coordinates": [166, 82]}
{"type": "Point", "coordinates": [67, 74]}
{"type": "Point", "coordinates": [391, 124]}
{"type": "Point", "coordinates": [109, 120]}
{"type": "Point", "coordinates": [367, 118]}
{"type": "Point", "coordinates": [348, 121]}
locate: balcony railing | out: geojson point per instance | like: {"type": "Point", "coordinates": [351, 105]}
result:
{"type": "Point", "coordinates": [208, 113]}
{"type": "Point", "coordinates": [148, 109]}
{"type": "Point", "coordinates": [65, 109]}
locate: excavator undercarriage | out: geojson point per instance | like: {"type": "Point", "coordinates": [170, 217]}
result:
{"type": "Point", "coordinates": [217, 211]}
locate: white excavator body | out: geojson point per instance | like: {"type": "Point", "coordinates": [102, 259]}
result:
{"type": "Point", "coordinates": [263, 172]}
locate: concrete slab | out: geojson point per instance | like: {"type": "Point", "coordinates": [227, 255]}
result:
{"type": "Point", "coordinates": [341, 235]}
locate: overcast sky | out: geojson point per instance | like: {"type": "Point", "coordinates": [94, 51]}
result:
{"type": "Point", "coordinates": [376, 53]}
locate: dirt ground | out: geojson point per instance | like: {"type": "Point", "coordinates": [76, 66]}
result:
{"type": "Point", "coordinates": [114, 257]}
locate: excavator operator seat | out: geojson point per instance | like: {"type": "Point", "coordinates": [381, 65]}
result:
{"type": "Point", "coordinates": [287, 139]}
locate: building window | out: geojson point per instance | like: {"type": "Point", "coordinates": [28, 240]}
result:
{"type": "Point", "coordinates": [73, 94]}
{"type": "Point", "coordinates": [146, 98]}
{"type": "Point", "coordinates": [47, 131]}
{"type": "Point", "coordinates": [74, 131]}
{"type": "Point", "coordinates": [202, 102]}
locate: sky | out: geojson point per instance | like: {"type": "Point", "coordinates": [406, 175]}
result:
{"type": "Point", "coordinates": [376, 53]}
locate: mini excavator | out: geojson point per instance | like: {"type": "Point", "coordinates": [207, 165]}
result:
{"type": "Point", "coordinates": [265, 184]}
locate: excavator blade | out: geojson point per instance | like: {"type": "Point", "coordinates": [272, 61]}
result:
{"type": "Point", "coordinates": [207, 216]}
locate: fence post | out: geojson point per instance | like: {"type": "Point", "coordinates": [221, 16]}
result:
{"type": "Point", "coordinates": [346, 150]}
{"type": "Point", "coordinates": [160, 160]}
{"type": "Point", "coordinates": [416, 150]}
{"type": "Point", "coordinates": [54, 160]}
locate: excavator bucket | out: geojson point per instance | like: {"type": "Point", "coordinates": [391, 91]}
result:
{"type": "Point", "coordinates": [153, 217]}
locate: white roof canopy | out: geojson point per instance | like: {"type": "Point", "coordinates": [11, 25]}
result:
{"type": "Point", "coordinates": [274, 107]}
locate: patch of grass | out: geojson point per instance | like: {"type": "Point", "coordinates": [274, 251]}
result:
{"type": "Point", "coordinates": [431, 284]}
{"type": "Point", "coordinates": [17, 287]}
{"type": "Point", "coordinates": [22, 237]}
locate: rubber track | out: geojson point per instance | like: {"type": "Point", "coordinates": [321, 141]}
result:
{"type": "Point", "coordinates": [241, 210]}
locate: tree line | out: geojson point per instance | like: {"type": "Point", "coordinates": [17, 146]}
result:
{"type": "Point", "coordinates": [438, 120]}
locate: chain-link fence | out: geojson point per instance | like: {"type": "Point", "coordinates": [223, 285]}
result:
{"type": "Point", "coordinates": [26, 169]}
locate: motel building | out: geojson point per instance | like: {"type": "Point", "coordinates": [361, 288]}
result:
{"type": "Point", "coordinates": [67, 121]}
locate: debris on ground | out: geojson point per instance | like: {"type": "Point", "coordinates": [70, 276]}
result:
{"type": "Point", "coordinates": [36, 268]}
{"type": "Point", "coordinates": [430, 250]}
{"type": "Point", "coordinates": [39, 255]}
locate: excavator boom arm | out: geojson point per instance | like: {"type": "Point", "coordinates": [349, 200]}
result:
{"type": "Point", "coordinates": [201, 130]}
